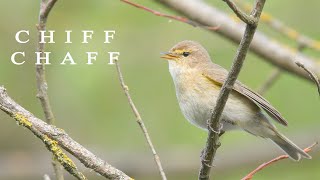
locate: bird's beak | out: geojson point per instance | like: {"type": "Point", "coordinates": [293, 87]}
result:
{"type": "Point", "coordinates": [169, 56]}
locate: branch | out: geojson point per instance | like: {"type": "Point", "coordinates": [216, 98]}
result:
{"type": "Point", "coordinates": [50, 144]}
{"type": "Point", "coordinates": [274, 75]}
{"type": "Point", "coordinates": [270, 50]}
{"type": "Point", "coordinates": [42, 95]}
{"type": "Point", "coordinates": [140, 121]}
{"type": "Point", "coordinates": [311, 74]}
{"type": "Point", "coordinates": [177, 18]}
{"type": "Point", "coordinates": [279, 26]}
{"type": "Point", "coordinates": [264, 165]}
{"type": "Point", "coordinates": [53, 137]}
{"type": "Point", "coordinates": [45, 7]}
{"type": "Point", "coordinates": [242, 15]}
{"type": "Point", "coordinates": [213, 143]}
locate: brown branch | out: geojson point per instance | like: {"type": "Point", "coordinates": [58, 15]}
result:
{"type": "Point", "coordinates": [242, 15]}
{"type": "Point", "coordinates": [274, 52]}
{"type": "Point", "coordinates": [45, 8]}
{"type": "Point", "coordinates": [266, 164]}
{"type": "Point", "coordinates": [50, 144]}
{"type": "Point", "coordinates": [281, 27]}
{"type": "Point", "coordinates": [177, 18]}
{"type": "Point", "coordinates": [58, 168]}
{"type": "Point", "coordinates": [262, 45]}
{"type": "Point", "coordinates": [273, 77]}
{"type": "Point", "coordinates": [213, 143]}
{"type": "Point", "coordinates": [275, 74]}
{"type": "Point", "coordinates": [140, 121]}
{"type": "Point", "coordinates": [53, 136]}
{"type": "Point", "coordinates": [311, 74]}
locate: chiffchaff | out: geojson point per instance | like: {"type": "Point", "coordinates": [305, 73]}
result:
{"type": "Point", "coordinates": [198, 81]}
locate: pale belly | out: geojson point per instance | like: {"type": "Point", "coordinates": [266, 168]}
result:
{"type": "Point", "coordinates": [197, 109]}
{"type": "Point", "coordinates": [198, 100]}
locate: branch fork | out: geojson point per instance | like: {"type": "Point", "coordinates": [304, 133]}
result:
{"type": "Point", "coordinates": [248, 19]}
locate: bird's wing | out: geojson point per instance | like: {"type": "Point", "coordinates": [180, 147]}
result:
{"type": "Point", "coordinates": [217, 75]}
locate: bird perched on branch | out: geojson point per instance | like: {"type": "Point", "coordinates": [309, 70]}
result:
{"type": "Point", "coordinates": [198, 82]}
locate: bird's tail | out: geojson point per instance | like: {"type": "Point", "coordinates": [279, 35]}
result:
{"type": "Point", "coordinates": [289, 147]}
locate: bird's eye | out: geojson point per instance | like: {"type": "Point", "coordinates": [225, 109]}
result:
{"type": "Point", "coordinates": [185, 54]}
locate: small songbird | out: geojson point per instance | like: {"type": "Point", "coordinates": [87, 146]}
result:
{"type": "Point", "coordinates": [198, 81]}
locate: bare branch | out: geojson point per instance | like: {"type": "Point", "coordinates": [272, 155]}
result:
{"type": "Point", "coordinates": [266, 164]}
{"type": "Point", "coordinates": [263, 46]}
{"type": "Point", "coordinates": [177, 18]}
{"type": "Point", "coordinates": [42, 86]}
{"type": "Point", "coordinates": [140, 121]}
{"type": "Point", "coordinates": [53, 137]}
{"type": "Point", "coordinates": [311, 74]}
{"type": "Point", "coordinates": [57, 152]}
{"type": "Point", "coordinates": [45, 8]}
{"type": "Point", "coordinates": [58, 169]}
{"type": "Point", "coordinates": [281, 27]}
{"type": "Point", "coordinates": [274, 75]}
{"type": "Point", "coordinates": [242, 15]}
{"type": "Point", "coordinates": [51, 144]}
{"type": "Point", "coordinates": [213, 143]}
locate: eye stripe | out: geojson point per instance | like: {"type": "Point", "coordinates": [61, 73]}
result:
{"type": "Point", "coordinates": [183, 52]}
{"type": "Point", "coordinates": [180, 51]}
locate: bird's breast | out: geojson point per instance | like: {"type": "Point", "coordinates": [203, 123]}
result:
{"type": "Point", "coordinates": [195, 95]}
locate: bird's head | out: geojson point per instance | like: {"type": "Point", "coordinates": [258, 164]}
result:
{"type": "Point", "coordinates": [187, 53]}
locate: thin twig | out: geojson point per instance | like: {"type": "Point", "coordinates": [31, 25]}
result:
{"type": "Point", "coordinates": [51, 135]}
{"type": "Point", "coordinates": [45, 8]}
{"type": "Point", "coordinates": [140, 121]}
{"type": "Point", "coordinates": [242, 15]}
{"type": "Point", "coordinates": [42, 86]}
{"type": "Point", "coordinates": [177, 18]}
{"type": "Point", "coordinates": [281, 27]}
{"type": "Point", "coordinates": [275, 74]}
{"type": "Point", "coordinates": [311, 74]}
{"type": "Point", "coordinates": [58, 168]}
{"type": "Point", "coordinates": [266, 164]}
{"type": "Point", "coordinates": [262, 45]}
{"type": "Point", "coordinates": [273, 77]}
{"type": "Point", "coordinates": [213, 143]}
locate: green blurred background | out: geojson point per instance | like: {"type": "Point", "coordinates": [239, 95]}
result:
{"type": "Point", "coordinates": [90, 106]}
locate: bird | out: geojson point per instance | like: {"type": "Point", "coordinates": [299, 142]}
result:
{"type": "Point", "coordinates": [198, 81]}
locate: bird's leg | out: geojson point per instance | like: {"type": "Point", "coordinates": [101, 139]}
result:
{"type": "Point", "coordinates": [221, 133]}
{"type": "Point", "coordinates": [210, 128]}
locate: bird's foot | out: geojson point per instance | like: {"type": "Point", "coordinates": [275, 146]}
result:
{"type": "Point", "coordinates": [219, 131]}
